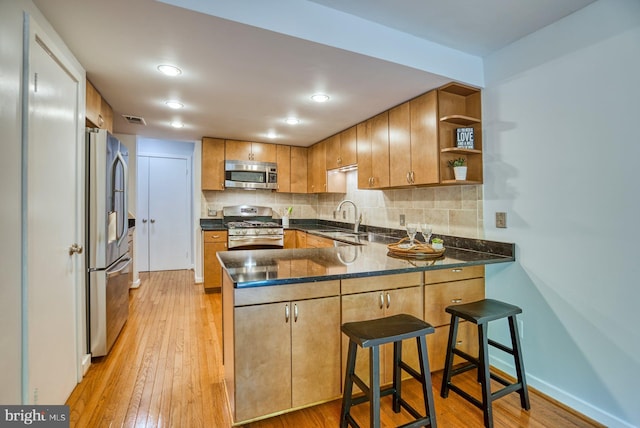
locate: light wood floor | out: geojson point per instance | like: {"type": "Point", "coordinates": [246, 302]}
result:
{"type": "Point", "coordinates": [165, 370]}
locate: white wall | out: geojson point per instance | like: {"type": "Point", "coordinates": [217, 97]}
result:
{"type": "Point", "coordinates": [560, 118]}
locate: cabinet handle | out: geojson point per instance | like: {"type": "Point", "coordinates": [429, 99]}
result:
{"type": "Point", "coordinates": [100, 121]}
{"type": "Point", "coordinates": [295, 313]}
{"type": "Point", "coordinates": [408, 177]}
{"type": "Point", "coordinates": [413, 177]}
{"type": "Point", "coordinates": [459, 342]}
{"type": "Point", "coordinates": [216, 236]}
{"type": "Point", "coordinates": [286, 313]}
{"type": "Point", "coordinates": [456, 300]}
{"type": "Point", "coordinates": [381, 301]}
{"type": "Point", "coordinates": [388, 300]}
{"type": "Point", "coordinates": [456, 270]}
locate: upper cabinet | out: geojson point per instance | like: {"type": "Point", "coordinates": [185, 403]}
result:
{"type": "Point", "coordinates": [212, 164]}
{"type": "Point", "coordinates": [372, 139]}
{"type": "Point", "coordinates": [460, 117]}
{"type": "Point", "coordinates": [247, 150]}
{"type": "Point", "coordinates": [341, 149]}
{"type": "Point", "coordinates": [317, 172]}
{"type": "Point", "coordinates": [98, 113]}
{"type": "Point", "coordinates": [299, 159]}
{"type": "Point", "coordinates": [283, 159]}
{"type": "Point", "coordinates": [413, 142]}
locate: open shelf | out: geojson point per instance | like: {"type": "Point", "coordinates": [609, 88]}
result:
{"type": "Point", "coordinates": [460, 151]}
{"type": "Point", "coordinates": [459, 119]}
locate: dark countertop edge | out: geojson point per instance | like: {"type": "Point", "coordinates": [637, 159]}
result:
{"type": "Point", "coordinates": [299, 280]}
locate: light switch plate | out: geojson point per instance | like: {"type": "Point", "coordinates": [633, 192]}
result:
{"type": "Point", "coordinates": [402, 220]}
{"type": "Point", "coordinates": [501, 220]}
{"type": "Point", "coordinates": [212, 212]}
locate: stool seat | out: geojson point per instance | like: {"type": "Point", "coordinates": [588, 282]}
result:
{"type": "Point", "coordinates": [386, 330]}
{"type": "Point", "coordinates": [483, 311]}
{"type": "Point", "coordinates": [372, 334]}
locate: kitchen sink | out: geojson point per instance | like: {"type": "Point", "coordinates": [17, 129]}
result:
{"type": "Point", "coordinates": [333, 233]}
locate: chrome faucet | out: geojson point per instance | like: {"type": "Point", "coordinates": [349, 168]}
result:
{"type": "Point", "coordinates": [357, 218]}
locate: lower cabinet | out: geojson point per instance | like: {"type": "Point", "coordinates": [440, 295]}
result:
{"type": "Point", "coordinates": [315, 241]}
{"type": "Point", "coordinates": [286, 355]}
{"type": "Point", "coordinates": [450, 287]}
{"type": "Point", "coordinates": [214, 241]}
{"type": "Point", "coordinates": [385, 301]}
{"type": "Point", "coordinates": [289, 239]}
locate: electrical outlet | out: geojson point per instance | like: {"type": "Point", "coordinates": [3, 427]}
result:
{"type": "Point", "coordinates": [212, 212]}
{"type": "Point", "coordinates": [402, 220]}
{"type": "Point", "coordinates": [501, 220]}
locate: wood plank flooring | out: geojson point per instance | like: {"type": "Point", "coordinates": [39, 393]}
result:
{"type": "Point", "coordinates": [165, 370]}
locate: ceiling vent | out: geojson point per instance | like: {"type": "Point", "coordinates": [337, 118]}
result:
{"type": "Point", "coordinates": [134, 120]}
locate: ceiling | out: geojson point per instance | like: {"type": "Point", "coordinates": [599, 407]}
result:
{"type": "Point", "coordinates": [243, 76]}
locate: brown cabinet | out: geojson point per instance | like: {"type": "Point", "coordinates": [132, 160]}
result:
{"type": "Point", "coordinates": [316, 172]}
{"type": "Point", "coordinates": [393, 294]}
{"type": "Point", "coordinates": [315, 241]}
{"type": "Point", "coordinates": [212, 164]}
{"type": "Point", "coordinates": [290, 239]}
{"type": "Point", "coordinates": [298, 171]}
{"type": "Point", "coordinates": [301, 239]}
{"type": "Point", "coordinates": [413, 142]}
{"type": "Point", "coordinates": [98, 112]}
{"type": "Point", "coordinates": [283, 159]}
{"type": "Point", "coordinates": [214, 241]}
{"type": "Point", "coordinates": [449, 287]}
{"type": "Point", "coordinates": [373, 151]}
{"type": "Point", "coordinates": [287, 353]}
{"type": "Point", "coordinates": [247, 150]}
{"type": "Point", "coordinates": [460, 106]}
{"type": "Point", "coordinates": [341, 149]}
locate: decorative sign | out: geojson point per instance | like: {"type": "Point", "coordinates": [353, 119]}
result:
{"type": "Point", "coordinates": [464, 138]}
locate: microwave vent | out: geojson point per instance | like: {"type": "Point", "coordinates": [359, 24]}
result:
{"type": "Point", "coordinates": [134, 120]}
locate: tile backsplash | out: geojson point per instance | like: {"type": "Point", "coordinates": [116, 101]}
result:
{"type": "Point", "coordinates": [452, 210]}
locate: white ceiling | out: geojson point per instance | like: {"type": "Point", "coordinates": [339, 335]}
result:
{"type": "Point", "coordinates": [242, 73]}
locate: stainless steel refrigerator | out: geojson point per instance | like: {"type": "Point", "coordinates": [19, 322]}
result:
{"type": "Point", "coordinates": [108, 260]}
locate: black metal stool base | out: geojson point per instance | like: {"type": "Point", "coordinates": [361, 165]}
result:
{"type": "Point", "coordinates": [481, 313]}
{"type": "Point", "coordinates": [371, 334]}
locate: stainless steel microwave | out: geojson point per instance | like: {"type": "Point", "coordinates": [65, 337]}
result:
{"type": "Point", "coordinates": [250, 175]}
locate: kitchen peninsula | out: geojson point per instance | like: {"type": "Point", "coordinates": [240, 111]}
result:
{"type": "Point", "coordinates": [282, 311]}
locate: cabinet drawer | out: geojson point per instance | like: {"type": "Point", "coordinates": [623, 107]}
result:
{"type": "Point", "coordinates": [453, 274]}
{"type": "Point", "coordinates": [437, 344]}
{"type": "Point", "coordinates": [438, 296]}
{"type": "Point", "coordinates": [215, 236]}
{"type": "Point", "coordinates": [385, 282]}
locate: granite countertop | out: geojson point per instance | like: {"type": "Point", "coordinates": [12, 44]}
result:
{"type": "Point", "coordinates": [257, 268]}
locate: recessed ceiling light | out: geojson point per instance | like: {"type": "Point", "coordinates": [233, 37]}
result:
{"type": "Point", "coordinates": [292, 120]}
{"type": "Point", "coordinates": [169, 70]}
{"type": "Point", "coordinates": [271, 134]}
{"type": "Point", "coordinates": [177, 124]}
{"type": "Point", "coordinates": [174, 104]}
{"type": "Point", "coordinates": [320, 98]}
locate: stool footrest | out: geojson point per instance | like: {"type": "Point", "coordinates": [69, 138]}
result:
{"type": "Point", "coordinates": [410, 370]}
{"type": "Point", "coordinates": [500, 346]}
{"type": "Point", "coordinates": [464, 394]}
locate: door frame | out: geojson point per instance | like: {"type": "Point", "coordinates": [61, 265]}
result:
{"type": "Point", "coordinates": [38, 27]}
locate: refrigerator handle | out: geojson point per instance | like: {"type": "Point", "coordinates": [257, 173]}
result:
{"type": "Point", "coordinates": [123, 192]}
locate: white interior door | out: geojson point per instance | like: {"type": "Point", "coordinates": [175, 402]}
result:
{"type": "Point", "coordinates": [164, 210]}
{"type": "Point", "coordinates": [52, 219]}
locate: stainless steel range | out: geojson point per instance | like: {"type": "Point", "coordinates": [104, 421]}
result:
{"type": "Point", "coordinates": [250, 228]}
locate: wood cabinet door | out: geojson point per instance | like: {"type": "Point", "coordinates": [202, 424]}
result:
{"type": "Point", "coordinates": [298, 169]}
{"type": "Point", "coordinates": [402, 301]}
{"type": "Point", "coordinates": [317, 172]}
{"type": "Point", "coordinates": [332, 150]}
{"type": "Point", "coordinates": [237, 150]}
{"type": "Point", "coordinates": [380, 150]}
{"type": "Point", "coordinates": [106, 113]}
{"type": "Point", "coordinates": [467, 341]}
{"type": "Point", "coordinates": [289, 239]}
{"type": "Point", "coordinates": [214, 241]}
{"type": "Point", "coordinates": [400, 145]}
{"type": "Point", "coordinates": [363, 147]}
{"type": "Point", "coordinates": [315, 348]}
{"type": "Point", "coordinates": [93, 104]}
{"type": "Point", "coordinates": [263, 152]}
{"type": "Point", "coordinates": [262, 378]}
{"type": "Point", "coordinates": [361, 307]}
{"type": "Point", "coordinates": [212, 164]}
{"type": "Point", "coordinates": [438, 296]}
{"type": "Point", "coordinates": [283, 159]}
{"type": "Point", "coordinates": [424, 139]}
{"type": "Point", "coordinates": [348, 142]}
{"type": "Point", "coordinates": [301, 239]}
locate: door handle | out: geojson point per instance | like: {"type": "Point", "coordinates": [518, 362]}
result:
{"type": "Point", "coordinates": [144, 220]}
{"type": "Point", "coordinates": [75, 249]}
{"type": "Point", "coordinates": [153, 220]}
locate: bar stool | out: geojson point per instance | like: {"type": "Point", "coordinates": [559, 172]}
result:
{"type": "Point", "coordinates": [371, 334]}
{"type": "Point", "coordinates": [481, 313]}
